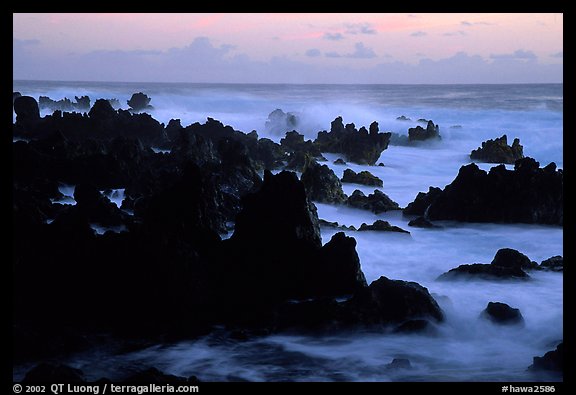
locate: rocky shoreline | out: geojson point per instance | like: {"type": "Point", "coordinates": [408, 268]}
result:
{"type": "Point", "coordinates": [170, 271]}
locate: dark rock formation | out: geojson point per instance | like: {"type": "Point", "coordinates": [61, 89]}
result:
{"type": "Point", "coordinates": [551, 361]}
{"type": "Point", "coordinates": [422, 202]}
{"type": "Point", "coordinates": [420, 134]}
{"type": "Point", "coordinates": [27, 111]}
{"type": "Point", "coordinates": [336, 225]}
{"type": "Point", "coordinates": [139, 102]}
{"type": "Point", "coordinates": [388, 301]}
{"type": "Point", "coordinates": [15, 95]}
{"type": "Point", "coordinates": [502, 314]}
{"type": "Point", "coordinates": [377, 202]}
{"type": "Point", "coordinates": [403, 118]}
{"type": "Point", "coordinates": [508, 257]}
{"type": "Point", "coordinates": [507, 264]}
{"type": "Point", "coordinates": [339, 161]}
{"type": "Point", "coordinates": [294, 142]}
{"type": "Point", "coordinates": [279, 122]}
{"type": "Point", "coordinates": [382, 226]}
{"type": "Point", "coordinates": [554, 264]}
{"type": "Point", "coordinates": [359, 146]}
{"type": "Point", "coordinates": [97, 208]}
{"type": "Point", "coordinates": [321, 184]}
{"type": "Point", "coordinates": [498, 151]}
{"type": "Point", "coordinates": [527, 194]}
{"type": "Point", "coordinates": [364, 178]}
{"type": "Point", "coordinates": [383, 304]}
{"type": "Point", "coordinates": [81, 103]}
{"type": "Point", "coordinates": [277, 235]}
{"type": "Point", "coordinates": [421, 222]}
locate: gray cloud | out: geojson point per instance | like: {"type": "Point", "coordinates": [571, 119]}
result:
{"type": "Point", "coordinates": [332, 55]}
{"type": "Point", "coordinates": [360, 52]}
{"type": "Point", "coordinates": [313, 52]}
{"type": "Point", "coordinates": [360, 28]}
{"type": "Point", "coordinates": [202, 61]}
{"type": "Point", "coordinates": [466, 23]}
{"type": "Point", "coordinates": [458, 33]}
{"type": "Point", "coordinates": [559, 55]}
{"type": "Point", "coordinates": [418, 34]}
{"type": "Point", "coordinates": [519, 54]}
{"type": "Point", "coordinates": [333, 36]}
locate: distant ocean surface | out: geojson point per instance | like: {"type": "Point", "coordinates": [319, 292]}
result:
{"type": "Point", "coordinates": [466, 348]}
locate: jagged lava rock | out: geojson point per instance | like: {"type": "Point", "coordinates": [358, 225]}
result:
{"type": "Point", "coordinates": [377, 202]}
{"type": "Point", "coordinates": [321, 184]}
{"type": "Point", "coordinates": [359, 146]}
{"type": "Point", "coordinates": [139, 101]}
{"type": "Point", "coordinates": [420, 134]}
{"type": "Point", "coordinates": [527, 194]}
{"type": "Point", "coordinates": [277, 236]}
{"type": "Point", "coordinates": [364, 177]}
{"type": "Point", "coordinates": [382, 226]}
{"type": "Point", "coordinates": [498, 151]}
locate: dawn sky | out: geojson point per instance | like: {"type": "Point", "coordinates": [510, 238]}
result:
{"type": "Point", "coordinates": [290, 48]}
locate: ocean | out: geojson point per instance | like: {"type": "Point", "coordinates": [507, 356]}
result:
{"type": "Point", "coordinates": [465, 347]}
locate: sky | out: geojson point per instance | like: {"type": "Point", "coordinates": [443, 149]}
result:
{"type": "Point", "coordinates": [436, 48]}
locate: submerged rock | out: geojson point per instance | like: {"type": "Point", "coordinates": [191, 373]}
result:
{"type": "Point", "coordinates": [382, 226]}
{"type": "Point", "coordinates": [498, 151]}
{"type": "Point", "coordinates": [502, 314]}
{"type": "Point", "coordinates": [527, 194]}
{"type": "Point", "coordinates": [421, 222]}
{"type": "Point", "coordinates": [336, 225]}
{"type": "Point", "coordinates": [364, 177]}
{"type": "Point", "coordinates": [555, 264]}
{"type": "Point", "coordinates": [507, 264]}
